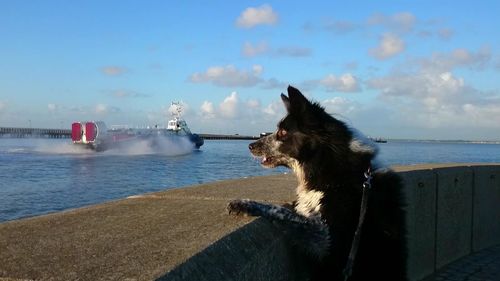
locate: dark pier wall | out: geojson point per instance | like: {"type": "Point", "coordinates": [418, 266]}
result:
{"type": "Point", "coordinates": [66, 133]}
{"type": "Point", "coordinates": [34, 133]}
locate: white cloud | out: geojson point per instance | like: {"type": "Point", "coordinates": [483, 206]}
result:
{"type": "Point", "coordinates": [232, 112]}
{"type": "Point", "coordinates": [377, 19]}
{"type": "Point", "coordinates": [496, 64]}
{"type": "Point", "coordinates": [351, 65]}
{"type": "Point", "coordinates": [101, 109]}
{"type": "Point", "coordinates": [257, 69]}
{"type": "Point", "coordinates": [422, 86]}
{"type": "Point", "coordinates": [229, 76]}
{"type": "Point", "coordinates": [442, 62]}
{"type": "Point", "coordinates": [250, 50]}
{"type": "Point", "coordinates": [52, 107]}
{"type": "Point", "coordinates": [253, 104]}
{"type": "Point", "coordinates": [309, 85]}
{"type": "Point", "coordinates": [274, 110]}
{"type": "Point", "coordinates": [345, 83]}
{"type": "Point", "coordinates": [105, 109]}
{"type": "Point", "coordinates": [121, 94]}
{"type": "Point", "coordinates": [165, 113]}
{"type": "Point", "coordinates": [484, 115]}
{"type": "Point", "coordinates": [79, 109]}
{"type": "Point", "coordinates": [207, 110]}
{"type": "Point", "coordinates": [404, 20]}
{"type": "Point", "coordinates": [263, 48]}
{"type": "Point", "coordinates": [424, 34]}
{"type": "Point", "coordinates": [293, 51]}
{"type": "Point", "coordinates": [229, 115]}
{"type": "Point", "coordinates": [389, 46]}
{"type": "Point", "coordinates": [437, 100]}
{"type": "Point", "coordinates": [401, 22]}
{"type": "Point", "coordinates": [128, 94]}
{"type": "Point", "coordinates": [229, 107]}
{"type": "Point", "coordinates": [253, 16]}
{"type": "Point", "coordinates": [340, 26]}
{"type": "Point", "coordinates": [339, 106]}
{"type": "Point", "coordinates": [445, 33]}
{"type": "Point", "coordinates": [113, 70]}
{"type": "Point", "coordinates": [308, 27]}
{"type": "Point", "coordinates": [233, 108]}
{"type": "Point", "coordinates": [273, 83]}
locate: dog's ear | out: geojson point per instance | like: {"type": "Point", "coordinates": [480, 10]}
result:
{"type": "Point", "coordinates": [295, 102]}
{"type": "Point", "coordinates": [286, 102]}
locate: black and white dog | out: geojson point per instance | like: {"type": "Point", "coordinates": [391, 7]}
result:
{"type": "Point", "coordinates": [332, 162]}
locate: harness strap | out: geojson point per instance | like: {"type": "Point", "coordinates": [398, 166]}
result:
{"type": "Point", "coordinates": [357, 235]}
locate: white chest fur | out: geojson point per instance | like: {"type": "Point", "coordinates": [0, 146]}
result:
{"type": "Point", "coordinates": [308, 202]}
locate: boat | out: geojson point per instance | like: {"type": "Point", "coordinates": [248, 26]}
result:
{"type": "Point", "coordinates": [379, 140]}
{"type": "Point", "coordinates": [96, 136]}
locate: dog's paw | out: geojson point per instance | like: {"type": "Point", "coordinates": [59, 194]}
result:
{"type": "Point", "coordinates": [289, 206]}
{"type": "Point", "coordinates": [239, 207]}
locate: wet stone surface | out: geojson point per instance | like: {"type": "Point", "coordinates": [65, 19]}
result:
{"type": "Point", "coordinates": [480, 266]}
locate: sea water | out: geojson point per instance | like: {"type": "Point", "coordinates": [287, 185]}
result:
{"type": "Point", "coordinates": [40, 176]}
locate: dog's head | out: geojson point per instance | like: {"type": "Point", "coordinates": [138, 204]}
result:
{"type": "Point", "coordinates": [307, 132]}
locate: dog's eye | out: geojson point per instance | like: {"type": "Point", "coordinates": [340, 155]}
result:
{"type": "Point", "coordinates": [281, 134]}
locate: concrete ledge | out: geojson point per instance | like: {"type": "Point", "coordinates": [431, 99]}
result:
{"type": "Point", "coordinates": [249, 253]}
{"type": "Point", "coordinates": [486, 204]}
{"type": "Point", "coordinates": [453, 210]}
{"type": "Point", "coordinates": [421, 186]}
{"type": "Point", "coordinates": [139, 238]}
{"type": "Point", "coordinates": [186, 234]}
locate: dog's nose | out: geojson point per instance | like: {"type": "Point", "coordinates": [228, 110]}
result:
{"type": "Point", "coordinates": [251, 146]}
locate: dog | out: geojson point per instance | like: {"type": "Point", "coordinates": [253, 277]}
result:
{"type": "Point", "coordinates": [334, 164]}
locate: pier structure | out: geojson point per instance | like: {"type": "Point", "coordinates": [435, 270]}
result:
{"type": "Point", "coordinates": [34, 133]}
{"type": "Point", "coordinates": [453, 221]}
{"type": "Point", "coordinates": [227, 137]}
{"type": "Point", "coordinates": [66, 133]}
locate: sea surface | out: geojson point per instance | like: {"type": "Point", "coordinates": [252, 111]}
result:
{"type": "Point", "coordinates": [40, 176]}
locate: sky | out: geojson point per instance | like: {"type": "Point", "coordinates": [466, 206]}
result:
{"type": "Point", "coordinates": [392, 69]}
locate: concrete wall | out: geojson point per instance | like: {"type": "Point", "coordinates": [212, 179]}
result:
{"type": "Point", "coordinates": [257, 251]}
{"type": "Point", "coordinates": [453, 210]}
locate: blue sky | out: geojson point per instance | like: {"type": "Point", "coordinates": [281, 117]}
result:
{"type": "Point", "coordinates": [396, 69]}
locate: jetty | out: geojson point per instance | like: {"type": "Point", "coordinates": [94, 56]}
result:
{"type": "Point", "coordinates": [453, 218]}
{"type": "Point", "coordinates": [34, 133]}
{"type": "Point", "coordinates": [66, 133]}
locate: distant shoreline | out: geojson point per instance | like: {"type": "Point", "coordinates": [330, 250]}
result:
{"type": "Point", "coordinates": [11, 132]}
{"type": "Point", "coordinates": [446, 141]}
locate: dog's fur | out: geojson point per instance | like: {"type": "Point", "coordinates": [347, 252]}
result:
{"type": "Point", "coordinates": [329, 160]}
